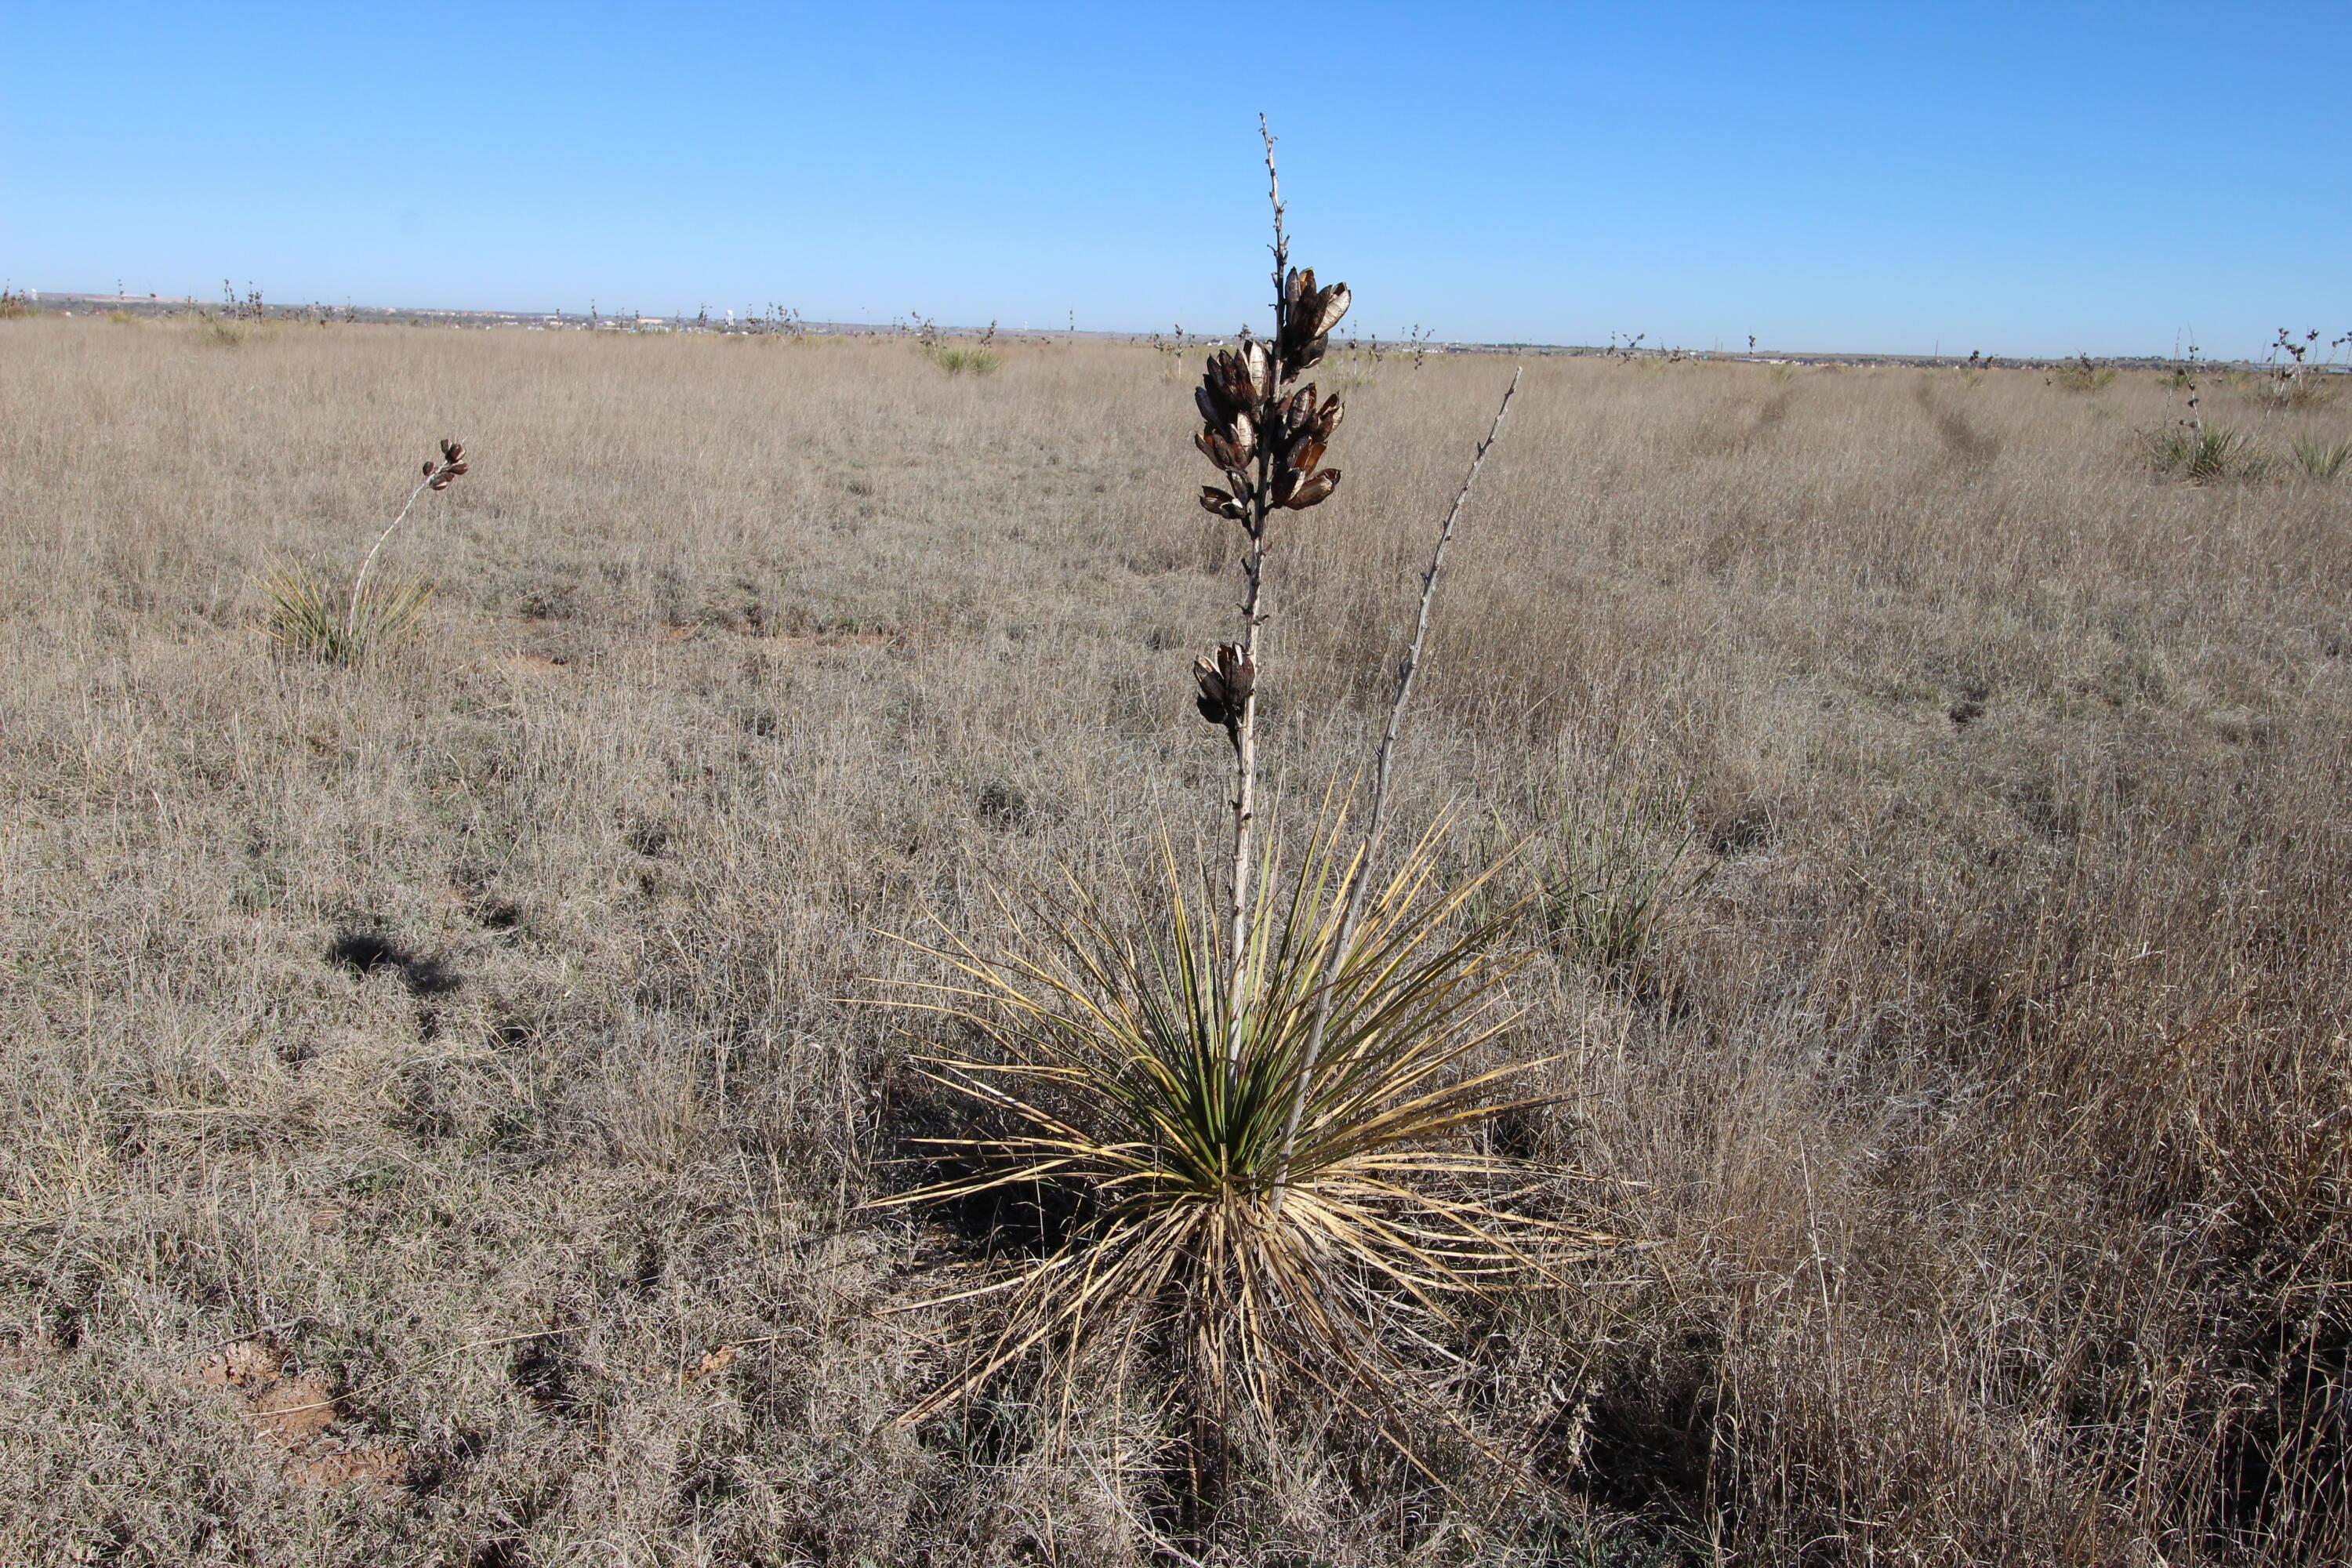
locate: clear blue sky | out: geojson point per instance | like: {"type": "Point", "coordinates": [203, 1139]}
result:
{"type": "Point", "coordinates": [2023, 180]}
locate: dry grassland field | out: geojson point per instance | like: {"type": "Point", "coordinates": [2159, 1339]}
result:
{"type": "Point", "coordinates": [442, 1097]}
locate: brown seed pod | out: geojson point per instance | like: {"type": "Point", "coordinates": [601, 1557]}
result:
{"type": "Point", "coordinates": [1298, 411]}
{"type": "Point", "coordinates": [1213, 500]}
{"type": "Point", "coordinates": [1229, 444]}
{"type": "Point", "coordinates": [1308, 322]}
{"type": "Point", "coordinates": [1313, 491]}
{"type": "Point", "coordinates": [1225, 679]}
{"type": "Point", "coordinates": [1231, 384]}
{"type": "Point", "coordinates": [1243, 383]}
{"type": "Point", "coordinates": [1330, 306]}
{"type": "Point", "coordinates": [1327, 419]}
{"type": "Point", "coordinates": [1258, 366]}
{"type": "Point", "coordinates": [1302, 416]}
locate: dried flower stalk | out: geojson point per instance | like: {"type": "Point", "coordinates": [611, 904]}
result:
{"type": "Point", "coordinates": [1268, 441]}
{"type": "Point", "coordinates": [437, 477]}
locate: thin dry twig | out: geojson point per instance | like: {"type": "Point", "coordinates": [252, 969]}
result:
{"type": "Point", "coordinates": [1382, 768]}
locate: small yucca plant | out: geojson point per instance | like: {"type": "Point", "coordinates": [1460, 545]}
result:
{"type": "Point", "coordinates": [1609, 885]}
{"type": "Point", "coordinates": [2204, 454]}
{"type": "Point", "coordinates": [957, 361]}
{"type": "Point", "coordinates": [2322, 461]}
{"type": "Point", "coordinates": [1264, 1126]}
{"type": "Point", "coordinates": [2079, 374]}
{"type": "Point", "coordinates": [305, 617]}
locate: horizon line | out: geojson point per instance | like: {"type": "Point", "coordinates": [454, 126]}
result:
{"type": "Point", "coordinates": [1638, 348]}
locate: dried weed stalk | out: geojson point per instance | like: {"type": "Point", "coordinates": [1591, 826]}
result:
{"type": "Point", "coordinates": [438, 476]}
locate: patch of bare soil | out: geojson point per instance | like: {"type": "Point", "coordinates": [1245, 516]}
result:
{"type": "Point", "coordinates": [295, 1414]}
{"type": "Point", "coordinates": [24, 1355]}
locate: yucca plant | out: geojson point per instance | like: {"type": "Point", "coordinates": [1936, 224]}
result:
{"type": "Point", "coordinates": [1202, 1223]}
{"type": "Point", "coordinates": [2079, 374]}
{"type": "Point", "coordinates": [305, 617]}
{"type": "Point", "coordinates": [2322, 461]}
{"type": "Point", "coordinates": [1262, 1126]}
{"type": "Point", "coordinates": [1608, 883]}
{"type": "Point", "coordinates": [956, 361]}
{"type": "Point", "coordinates": [2205, 454]}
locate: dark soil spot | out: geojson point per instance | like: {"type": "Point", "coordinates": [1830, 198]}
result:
{"type": "Point", "coordinates": [1002, 805]}
{"type": "Point", "coordinates": [367, 952]}
{"type": "Point", "coordinates": [506, 1552]}
{"type": "Point", "coordinates": [496, 914]}
{"type": "Point", "coordinates": [1740, 828]}
{"type": "Point", "coordinates": [539, 1370]}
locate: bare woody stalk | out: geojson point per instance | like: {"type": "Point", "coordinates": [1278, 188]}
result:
{"type": "Point", "coordinates": [1244, 732]}
{"type": "Point", "coordinates": [1360, 873]}
{"type": "Point", "coordinates": [437, 477]}
{"type": "Point", "coordinates": [1268, 443]}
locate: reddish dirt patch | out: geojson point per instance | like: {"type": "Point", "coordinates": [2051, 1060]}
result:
{"type": "Point", "coordinates": [383, 1465]}
{"type": "Point", "coordinates": [294, 1414]}
{"type": "Point", "coordinates": [534, 664]}
{"type": "Point", "coordinates": [292, 1409]}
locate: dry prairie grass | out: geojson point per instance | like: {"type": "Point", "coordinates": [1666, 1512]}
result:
{"type": "Point", "coordinates": [469, 1027]}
